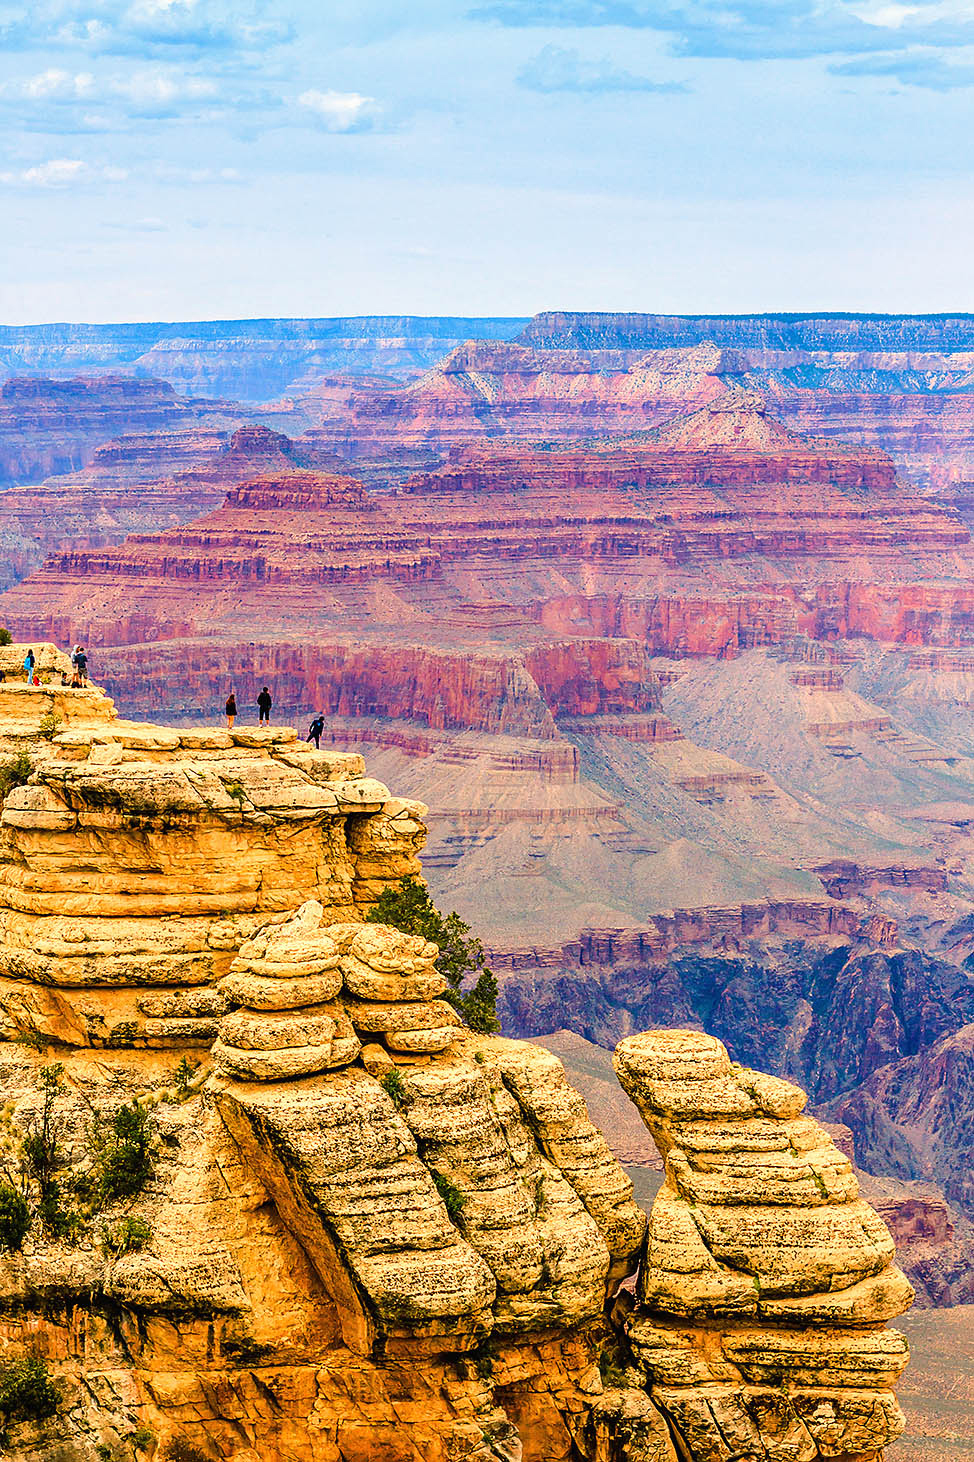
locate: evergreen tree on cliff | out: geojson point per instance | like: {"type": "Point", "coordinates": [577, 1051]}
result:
{"type": "Point", "coordinates": [409, 907]}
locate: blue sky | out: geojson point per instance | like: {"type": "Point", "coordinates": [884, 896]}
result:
{"type": "Point", "coordinates": [167, 159]}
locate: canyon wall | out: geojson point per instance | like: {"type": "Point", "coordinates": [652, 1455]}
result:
{"type": "Point", "coordinates": [138, 482]}
{"type": "Point", "coordinates": [49, 426]}
{"type": "Point", "coordinates": [572, 330]}
{"type": "Point", "coordinates": [254, 360]}
{"type": "Point", "coordinates": [365, 1230]}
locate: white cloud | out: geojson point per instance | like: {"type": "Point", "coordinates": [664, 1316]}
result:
{"type": "Point", "coordinates": [55, 85]}
{"type": "Point", "coordinates": [153, 93]}
{"type": "Point", "coordinates": [341, 111]}
{"type": "Point", "coordinates": [62, 172]}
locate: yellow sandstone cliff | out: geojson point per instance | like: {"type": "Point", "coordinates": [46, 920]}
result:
{"type": "Point", "coordinates": [372, 1235]}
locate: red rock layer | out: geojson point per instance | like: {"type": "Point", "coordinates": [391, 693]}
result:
{"type": "Point", "coordinates": [486, 389]}
{"type": "Point", "coordinates": [683, 543]}
{"type": "Point", "coordinates": [52, 426]}
{"type": "Point", "coordinates": [930, 435]}
{"type": "Point", "coordinates": [135, 483]}
{"type": "Point", "coordinates": [842, 878]}
{"type": "Point", "coordinates": [668, 932]}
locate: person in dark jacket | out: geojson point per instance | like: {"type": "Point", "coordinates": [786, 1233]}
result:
{"type": "Point", "coordinates": [315, 730]}
{"type": "Point", "coordinates": [82, 665]}
{"type": "Point", "coordinates": [264, 704]}
{"type": "Point", "coordinates": [231, 709]}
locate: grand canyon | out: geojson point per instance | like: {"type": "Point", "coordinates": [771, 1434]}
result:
{"type": "Point", "coordinates": [660, 629]}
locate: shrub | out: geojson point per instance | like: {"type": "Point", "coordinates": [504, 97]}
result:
{"type": "Point", "coordinates": [409, 907]}
{"type": "Point", "coordinates": [14, 1217]}
{"type": "Point", "coordinates": [451, 1195]}
{"type": "Point", "coordinates": [185, 1072]}
{"type": "Point", "coordinates": [6, 638]}
{"type": "Point", "coordinates": [395, 1087]}
{"type": "Point", "coordinates": [126, 1158]}
{"type": "Point", "coordinates": [181, 1451]}
{"type": "Point", "coordinates": [143, 1436]}
{"type": "Point", "coordinates": [27, 1392]}
{"type": "Point", "coordinates": [128, 1235]}
{"type": "Point", "coordinates": [49, 725]}
{"type": "Point", "coordinates": [15, 772]}
{"type": "Point", "coordinates": [42, 1153]}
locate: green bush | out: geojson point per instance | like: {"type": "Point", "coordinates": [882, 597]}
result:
{"type": "Point", "coordinates": [128, 1235]}
{"type": "Point", "coordinates": [6, 638]}
{"type": "Point", "coordinates": [15, 772]}
{"type": "Point", "coordinates": [126, 1158]}
{"type": "Point", "coordinates": [409, 907]}
{"type": "Point", "coordinates": [14, 1217]}
{"type": "Point", "coordinates": [451, 1195]}
{"type": "Point", "coordinates": [185, 1072]}
{"type": "Point", "coordinates": [27, 1392]}
{"type": "Point", "coordinates": [42, 1153]}
{"type": "Point", "coordinates": [395, 1087]}
{"type": "Point", "coordinates": [50, 724]}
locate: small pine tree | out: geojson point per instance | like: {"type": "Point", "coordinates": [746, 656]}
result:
{"type": "Point", "coordinates": [6, 638]}
{"type": "Point", "coordinates": [14, 1217]}
{"type": "Point", "coordinates": [127, 1159]}
{"type": "Point", "coordinates": [185, 1072]}
{"type": "Point", "coordinates": [409, 907]}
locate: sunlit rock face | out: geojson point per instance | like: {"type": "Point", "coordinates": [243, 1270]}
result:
{"type": "Point", "coordinates": [369, 1231]}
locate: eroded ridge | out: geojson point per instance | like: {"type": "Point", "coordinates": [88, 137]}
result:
{"type": "Point", "coordinates": [365, 1231]}
{"type": "Point", "coordinates": [762, 1299]}
{"type": "Point", "coordinates": [136, 859]}
{"type": "Point", "coordinates": [443, 1184]}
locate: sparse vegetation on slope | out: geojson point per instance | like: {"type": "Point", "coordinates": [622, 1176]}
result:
{"type": "Point", "coordinates": [461, 960]}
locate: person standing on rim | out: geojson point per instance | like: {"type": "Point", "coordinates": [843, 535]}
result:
{"type": "Point", "coordinates": [231, 709]}
{"type": "Point", "coordinates": [264, 704]}
{"type": "Point", "coordinates": [29, 666]}
{"type": "Point", "coordinates": [315, 730]}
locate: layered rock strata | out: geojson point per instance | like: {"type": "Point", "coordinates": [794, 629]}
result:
{"type": "Point", "coordinates": [371, 1233]}
{"type": "Point", "coordinates": [766, 1279]}
{"type": "Point", "coordinates": [720, 532]}
{"type": "Point", "coordinates": [51, 426]}
{"type": "Point", "coordinates": [140, 482]}
{"type": "Point", "coordinates": [138, 859]}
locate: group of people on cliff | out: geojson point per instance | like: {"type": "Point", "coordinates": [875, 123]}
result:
{"type": "Point", "coordinates": [77, 680]}
{"type": "Point", "coordinates": [264, 704]}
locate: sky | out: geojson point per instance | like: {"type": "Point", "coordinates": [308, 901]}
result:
{"type": "Point", "coordinates": [194, 159]}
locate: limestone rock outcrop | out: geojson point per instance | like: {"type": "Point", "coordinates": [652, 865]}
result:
{"type": "Point", "coordinates": [368, 1232]}
{"type": "Point", "coordinates": [766, 1279]}
{"type": "Point", "coordinates": [137, 859]}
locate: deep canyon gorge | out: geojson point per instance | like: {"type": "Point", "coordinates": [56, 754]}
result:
{"type": "Point", "coordinates": [664, 628]}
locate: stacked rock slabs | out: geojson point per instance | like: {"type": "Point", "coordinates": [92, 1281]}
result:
{"type": "Point", "coordinates": [441, 1203]}
{"type": "Point", "coordinates": [767, 1281]}
{"type": "Point", "coordinates": [138, 859]}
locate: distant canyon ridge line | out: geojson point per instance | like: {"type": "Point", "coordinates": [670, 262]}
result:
{"type": "Point", "coordinates": [261, 358]}
{"type": "Point", "coordinates": [670, 621]}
